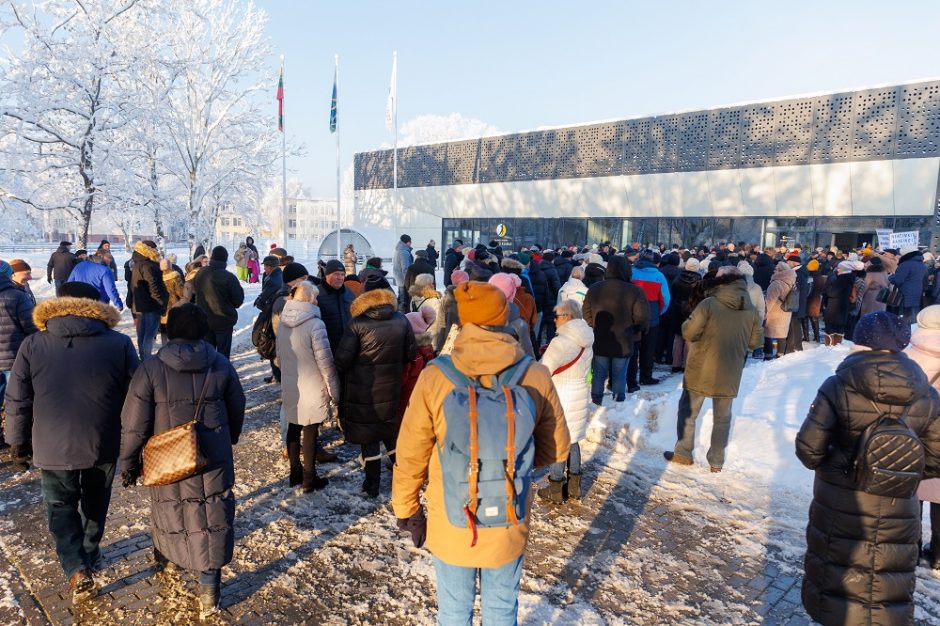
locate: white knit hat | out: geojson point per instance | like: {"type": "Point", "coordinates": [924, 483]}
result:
{"type": "Point", "coordinates": [929, 317]}
{"type": "Point", "coordinates": [692, 265]}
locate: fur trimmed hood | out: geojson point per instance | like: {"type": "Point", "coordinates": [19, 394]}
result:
{"type": "Point", "coordinates": [147, 252]}
{"type": "Point", "coordinates": [371, 300]}
{"type": "Point", "coordinates": [511, 264]}
{"type": "Point", "coordinates": [78, 307]}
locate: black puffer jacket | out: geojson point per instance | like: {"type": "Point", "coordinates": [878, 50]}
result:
{"type": "Point", "coordinates": [61, 264]}
{"type": "Point", "coordinates": [334, 311]}
{"type": "Point", "coordinates": [617, 310]}
{"type": "Point", "coordinates": [16, 321]}
{"type": "Point", "coordinates": [554, 284]}
{"type": "Point", "coordinates": [540, 288]}
{"type": "Point", "coordinates": [146, 290]}
{"type": "Point", "coordinates": [763, 270]}
{"type": "Point", "coordinates": [68, 384]}
{"type": "Point", "coordinates": [219, 294]}
{"type": "Point", "coordinates": [861, 548]}
{"type": "Point", "coordinates": [192, 519]}
{"type": "Point", "coordinates": [420, 266]}
{"type": "Point", "coordinates": [452, 260]}
{"type": "Point", "coordinates": [679, 307]}
{"type": "Point", "coordinates": [371, 357]}
{"type": "Point", "coordinates": [563, 265]}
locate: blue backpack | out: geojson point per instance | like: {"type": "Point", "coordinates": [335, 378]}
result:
{"type": "Point", "coordinates": [488, 452]}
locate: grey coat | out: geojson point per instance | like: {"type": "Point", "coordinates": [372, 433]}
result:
{"type": "Point", "coordinates": [192, 520]}
{"type": "Point", "coordinates": [308, 377]}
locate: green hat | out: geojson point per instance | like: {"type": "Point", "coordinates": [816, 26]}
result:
{"type": "Point", "coordinates": [524, 258]}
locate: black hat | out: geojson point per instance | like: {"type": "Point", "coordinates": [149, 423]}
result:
{"type": "Point", "coordinates": [270, 261]}
{"type": "Point", "coordinates": [648, 255]}
{"type": "Point", "coordinates": [219, 253]}
{"type": "Point", "coordinates": [293, 271]}
{"type": "Point", "coordinates": [882, 330]}
{"type": "Point", "coordinates": [81, 251]}
{"type": "Point", "coordinates": [375, 262]}
{"type": "Point", "coordinates": [76, 289]}
{"type": "Point", "coordinates": [187, 321]}
{"type": "Point", "coordinates": [65, 243]}
{"type": "Point", "coordinates": [405, 238]}
{"type": "Point", "coordinates": [333, 266]}
{"type": "Point", "coordinates": [376, 282]}
{"type": "Point", "coordinates": [104, 241]}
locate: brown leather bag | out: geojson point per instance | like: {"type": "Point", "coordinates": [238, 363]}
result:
{"type": "Point", "coordinates": [174, 454]}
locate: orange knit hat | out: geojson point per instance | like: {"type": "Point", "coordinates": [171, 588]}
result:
{"type": "Point", "coordinates": [481, 304]}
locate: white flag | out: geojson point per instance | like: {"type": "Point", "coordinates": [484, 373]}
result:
{"type": "Point", "coordinates": [390, 106]}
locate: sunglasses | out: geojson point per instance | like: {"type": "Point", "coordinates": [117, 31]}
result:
{"type": "Point", "coordinates": [560, 315]}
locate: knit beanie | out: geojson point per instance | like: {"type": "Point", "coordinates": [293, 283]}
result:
{"type": "Point", "coordinates": [76, 289]}
{"type": "Point", "coordinates": [333, 266]}
{"type": "Point", "coordinates": [293, 271]}
{"type": "Point", "coordinates": [472, 254]}
{"type": "Point", "coordinates": [845, 267]}
{"type": "Point", "coordinates": [270, 261]}
{"type": "Point", "coordinates": [882, 331]}
{"type": "Point", "coordinates": [481, 304]}
{"type": "Point", "coordinates": [812, 266]}
{"type": "Point", "coordinates": [692, 265]}
{"type": "Point", "coordinates": [187, 321]}
{"type": "Point", "coordinates": [376, 282]}
{"type": "Point", "coordinates": [524, 258]}
{"type": "Point", "coordinates": [421, 320]}
{"type": "Point", "coordinates": [459, 276]}
{"type": "Point", "coordinates": [929, 317]}
{"type": "Point", "coordinates": [745, 268]}
{"type": "Point", "coordinates": [5, 269]}
{"type": "Point", "coordinates": [219, 253]}
{"type": "Point", "coordinates": [507, 283]}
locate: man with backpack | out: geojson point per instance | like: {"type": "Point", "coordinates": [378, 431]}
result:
{"type": "Point", "coordinates": [479, 520]}
{"type": "Point", "coordinates": [863, 530]}
{"type": "Point", "coordinates": [272, 282]}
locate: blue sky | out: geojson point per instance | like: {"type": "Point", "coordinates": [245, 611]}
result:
{"type": "Point", "coordinates": [520, 65]}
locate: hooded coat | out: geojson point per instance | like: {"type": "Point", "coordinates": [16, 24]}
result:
{"type": "Point", "coordinates": [874, 281]}
{"type": "Point", "coordinates": [452, 260]}
{"type": "Point", "coordinates": [909, 278]}
{"type": "Point", "coordinates": [544, 300]}
{"type": "Point", "coordinates": [401, 261]}
{"type": "Point", "coordinates": [861, 548]}
{"type": "Point", "coordinates": [757, 297]}
{"type": "Point", "coordinates": [478, 353]}
{"type": "Point", "coordinates": [174, 291]}
{"type": "Point", "coordinates": [16, 321]}
{"type": "Point", "coordinates": [68, 384]}
{"type": "Point", "coordinates": [681, 307]}
{"type": "Point", "coordinates": [61, 263]}
{"type": "Point", "coordinates": [428, 297]}
{"type": "Point", "coordinates": [722, 329]}
{"type": "Point", "coordinates": [192, 519]}
{"type": "Point", "coordinates": [308, 377]}
{"type": "Point", "coordinates": [924, 350]}
{"type": "Point", "coordinates": [147, 293]}
{"type": "Point", "coordinates": [420, 266]}
{"type": "Point", "coordinates": [371, 356]}
{"type": "Point", "coordinates": [763, 270]}
{"type": "Point", "coordinates": [617, 310]}
{"type": "Point", "coordinates": [594, 273]}
{"type": "Point", "coordinates": [563, 265]}
{"type": "Point", "coordinates": [219, 293]}
{"type": "Point", "coordinates": [777, 323]}
{"type": "Point", "coordinates": [553, 280]}
{"type": "Point", "coordinates": [574, 393]}
{"type": "Point", "coordinates": [838, 292]}
{"type": "Point", "coordinates": [573, 289]}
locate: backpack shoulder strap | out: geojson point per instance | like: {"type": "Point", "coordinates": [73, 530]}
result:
{"type": "Point", "coordinates": [881, 412]}
{"type": "Point", "coordinates": [514, 373]}
{"type": "Point", "coordinates": [446, 365]}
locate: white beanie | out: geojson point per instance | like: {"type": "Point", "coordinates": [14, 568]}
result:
{"type": "Point", "coordinates": [908, 249]}
{"type": "Point", "coordinates": [929, 317]}
{"type": "Point", "coordinates": [745, 268]}
{"type": "Point", "coordinates": [692, 265]}
{"type": "Point", "coordinates": [845, 267]}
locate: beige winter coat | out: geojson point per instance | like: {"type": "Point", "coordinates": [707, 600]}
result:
{"type": "Point", "coordinates": [308, 376]}
{"type": "Point", "coordinates": [925, 351]}
{"type": "Point", "coordinates": [777, 322]}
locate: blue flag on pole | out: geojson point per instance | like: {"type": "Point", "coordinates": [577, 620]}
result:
{"type": "Point", "coordinates": [333, 106]}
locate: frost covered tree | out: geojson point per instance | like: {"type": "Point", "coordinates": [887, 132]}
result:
{"type": "Point", "coordinates": [439, 128]}
{"type": "Point", "coordinates": [61, 102]}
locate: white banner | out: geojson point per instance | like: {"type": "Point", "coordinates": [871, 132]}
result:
{"type": "Point", "coordinates": [884, 237]}
{"type": "Point", "coordinates": [899, 240]}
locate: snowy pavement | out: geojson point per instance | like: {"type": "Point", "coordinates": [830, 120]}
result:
{"type": "Point", "coordinates": [649, 543]}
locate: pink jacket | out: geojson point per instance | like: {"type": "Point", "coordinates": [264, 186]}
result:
{"type": "Point", "coordinates": [925, 351]}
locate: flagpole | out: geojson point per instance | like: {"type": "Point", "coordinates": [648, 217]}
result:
{"type": "Point", "coordinates": [284, 216]}
{"type": "Point", "coordinates": [395, 112]}
{"type": "Point", "coordinates": [339, 219]}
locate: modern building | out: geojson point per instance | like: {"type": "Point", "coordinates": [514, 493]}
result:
{"type": "Point", "coordinates": [821, 170]}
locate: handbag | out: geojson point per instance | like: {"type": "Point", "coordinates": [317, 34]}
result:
{"type": "Point", "coordinates": [882, 295]}
{"type": "Point", "coordinates": [448, 346]}
{"type": "Point", "coordinates": [174, 454]}
{"type": "Point", "coordinates": [895, 298]}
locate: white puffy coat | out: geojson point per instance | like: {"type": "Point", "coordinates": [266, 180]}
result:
{"type": "Point", "coordinates": [925, 351]}
{"type": "Point", "coordinates": [573, 289]}
{"type": "Point", "coordinates": [308, 376]}
{"type": "Point", "coordinates": [573, 390]}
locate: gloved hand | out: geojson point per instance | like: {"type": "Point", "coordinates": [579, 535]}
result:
{"type": "Point", "coordinates": [49, 280]}
{"type": "Point", "coordinates": [129, 477]}
{"type": "Point", "coordinates": [417, 525]}
{"type": "Point", "coordinates": [18, 459]}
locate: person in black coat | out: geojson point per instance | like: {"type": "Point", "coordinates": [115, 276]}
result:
{"type": "Point", "coordinates": [804, 283]}
{"type": "Point", "coordinates": [838, 291]}
{"type": "Point", "coordinates": [669, 267]}
{"type": "Point", "coordinates": [192, 520]}
{"type": "Point", "coordinates": [219, 294]}
{"type": "Point", "coordinates": [61, 263]}
{"type": "Point", "coordinates": [680, 309]}
{"type": "Point", "coordinates": [594, 273]}
{"type": "Point", "coordinates": [763, 270]}
{"type": "Point", "coordinates": [420, 266]}
{"type": "Point", "coordinates": [861, 548]}
{"type": "Point", "coordinates": [539, 290]}
{"type": "Point", "coordinates": [452, 260]}
{"type": "Point", "coordinates": [619, 312]}
{"type": "Point", "coordinates": [272, 283]}
{"type": "Point", "coordinates": [147, 294]}
{"type": "Point", "coordinates": [547, 328]}
{"type": "Point", "coordinates": [563, 265]}
{"type": "Point", "coordinates": [433, 254]}
{"type": "Point", "coordinates": [65, 395]}
{"type": "Point", "coordinates": [334, 301]}
{"type": "Point", "coordinates": [16, 323]}
{"type": "Point", "coordinates": [371, 358]}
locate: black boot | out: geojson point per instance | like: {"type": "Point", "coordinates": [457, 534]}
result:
{"type": "Point", "coordinates": [209, 598]}
{"type": "Point", "coordinates": [312, 482]}
{"type": "Point", "coordinates": [296, 468]}
{"type": "Point", "coordinates": [574, 486]}
{"type": "Point", "coordinates": [553, 492]}
{"type": "Point", "coordinates": [373, 474]}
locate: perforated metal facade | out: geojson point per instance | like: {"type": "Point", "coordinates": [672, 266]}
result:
{"type": "Point", "coordinates": [898, 122]}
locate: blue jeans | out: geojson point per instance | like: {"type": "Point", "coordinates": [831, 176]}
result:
{"type": "Point", "coordinates": [77, 504]}
{"type": "Point", "coordinates": [457, 588]}
{"type": "Point", "coordinates": [147, 326]}
{"type": "Point", "coordinates": [58, 286]}
{"type": "Point", "coordinates": [4, 379]}
{"type": "Point", "coordinates": [604, 367]}
{"type": "Point", "coordinates": [557, 470]}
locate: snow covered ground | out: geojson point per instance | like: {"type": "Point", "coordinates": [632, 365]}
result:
{"type": "Point", "coordinates": [650, 543]}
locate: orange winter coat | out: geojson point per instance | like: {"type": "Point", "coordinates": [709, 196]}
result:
{"type": "Point", "coordinates": [481, 353]}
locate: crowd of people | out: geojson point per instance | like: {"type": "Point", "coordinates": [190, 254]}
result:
{"type": "Point", "coordinates": [464, 387]}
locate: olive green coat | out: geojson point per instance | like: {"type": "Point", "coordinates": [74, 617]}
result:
{"type": "Point", "coordinates": [722, 330]}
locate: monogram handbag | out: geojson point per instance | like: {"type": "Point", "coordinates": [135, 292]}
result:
{"type": "Point", "coordinates": [174, 454]}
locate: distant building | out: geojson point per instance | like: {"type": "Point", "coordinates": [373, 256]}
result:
{"type": "Point", "coordinates": [820, 170]}
{"type": "Point", "coordinates": [310, 219]}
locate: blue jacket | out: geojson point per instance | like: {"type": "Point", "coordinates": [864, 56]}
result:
{"type": "Point", "coordinates": [909, 278]}
{"type": "Point", "coordinates": [646, 276]}
{"type": "Point", "coordinates": [16, 321]}
{"type": "Point", "coordinates": [101, 278]}
{"type": "Point", "coordinates": [401, 262]}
